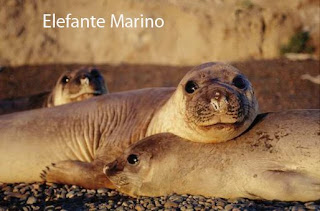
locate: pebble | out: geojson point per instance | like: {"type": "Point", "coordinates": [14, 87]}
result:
{"type": "Point", "coordinates": [34, 197]}
{"type": "Point", "coordinates": [31, 200]}
{"type": "Point", "coordinates": [70, 194]}
{"type": "Point", "coordinates": [176, 198]}
{"type": "Point", "coordinates": [170, 204]}
{"type": "Point", "coordinates": [139, 207]}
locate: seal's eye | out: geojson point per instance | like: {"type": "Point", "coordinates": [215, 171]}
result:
{"type": "Point", "coordinates": [133, 159]}
{"type": "Point", "coordinates": [239, 82]}
{"type": "Point", "coordinates": [65, 79]}
{"type": "Point", "coordinates": [191, 86]}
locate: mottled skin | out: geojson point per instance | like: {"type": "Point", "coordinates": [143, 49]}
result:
{"type": "Point", "coordinates": [277, 158]}
{"type": "Point", "coordinates": [77, 85]}
{"type": "Point", "coordinates": [80, 138]}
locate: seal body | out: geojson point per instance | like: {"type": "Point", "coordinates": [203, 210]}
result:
{"type": "Point", "coordinates": [278, 158]}
{"type": "Point", "coordinates": [75, 138]}
{"type": "Point", "coordinates": [71, 143]}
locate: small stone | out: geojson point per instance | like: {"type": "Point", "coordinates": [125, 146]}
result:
{"type": "Point", "coordinates": [150, 206]}
{"type": "Point", "coordinates": [176, 198]}
{"type": "Point", "coordinates": [91, 191]}
{"type": "Point", "coordinates": [189, 206]}
{"type": "Point", "coordinates": [112, 193]}
{"type": "Point", "coordinates": [228, 207]}
{"type": "Point", "coordinates": [297, 208]}
{"type": "Point", "coordinates": [63, 194]}
{"type": "Point", "coordinates": [157, 203]}
{"type": "Point", "coordinates": [139, 207]}
{"type": "Point", "coordinates": [7, 189]}
{"type": "Point", "coordinates": [70, 194]}
{"type": "Point", "coordinates": [312, 206]}
{"type": "Point", "coordinates": [35, 207]}
{"type": "Point", "coordinates": [120, 209]}
{"type": "Point", "coordinates": [102, 190]}
{"type": "Point", "coordinates": [170, 204]}
{"type": "Point", "coordinates": [31, 200]}
{"type": "Point", "coordinates": [35, 186]}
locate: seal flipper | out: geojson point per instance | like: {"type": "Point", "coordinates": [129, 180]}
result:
{"type": "Point", "coordinates": [291, 185]}
{"type": "Point", "coordinates": [87, 175]}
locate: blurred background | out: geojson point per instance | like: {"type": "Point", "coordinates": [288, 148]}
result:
{"type": "Point", "coordinates": [273, 42]}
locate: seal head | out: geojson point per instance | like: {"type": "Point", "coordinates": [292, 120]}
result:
{"type": "Point", "coordinates": [214, 102]}
{"type": "Point", "coordinates": [77, 85]}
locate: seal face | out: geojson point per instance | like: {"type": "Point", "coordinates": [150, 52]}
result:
{"type": "Point", "coordinates": [215, 103]}
{"type": "Point", "coordinates": [77, 85]}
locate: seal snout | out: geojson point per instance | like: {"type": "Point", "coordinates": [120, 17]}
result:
{"type": "Point", "coordinates": [219, 100]}
{"type": "Point", "coordinates": [85, 79]}
{"type": "Point", "coordinates": [112, 168]}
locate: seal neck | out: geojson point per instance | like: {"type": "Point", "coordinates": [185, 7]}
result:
{"type": "Point", "coordinates": [170, 118]}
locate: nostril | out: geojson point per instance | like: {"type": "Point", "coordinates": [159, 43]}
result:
{"type": "Point", "coordinates": [217, 95]}
{"type": "Point", "coordinates": [85, 76]}
{"type": "Point", "coordinates": [105, 169]}
{"type": "Point", "coordinates": [85, 79]}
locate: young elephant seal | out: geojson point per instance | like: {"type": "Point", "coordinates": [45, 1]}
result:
{"type": "Point", "coordinates": [278, 158]}
{"type": "Point", "coordinates": [76, 85]}
{"type": "Point", "coordinates": [212, 103]}
{"type": "Point", "coordinates": [72, 86]}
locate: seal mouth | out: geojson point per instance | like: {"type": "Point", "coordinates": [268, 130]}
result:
{"type": "Point", "coordinates": [222, 125]}
{"type": "Point", "coordinates": [82, 95]}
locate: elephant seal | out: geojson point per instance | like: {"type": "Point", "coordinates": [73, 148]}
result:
{"type": "Point", "coordinates": [214, 102]}
{"type": "Point", "coordinates": [72, 86]}
{"type": "Point", "coordinates": [278, 158]}
{"type": "Point", "coordinates": [77, 85]}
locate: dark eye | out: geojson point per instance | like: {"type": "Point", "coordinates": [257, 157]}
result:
{"type": "Point", "coordinates": [95, 72]}
{"type": "Point", "coordinates": [133, 159]}
{"type": "Point", "coordinates": [191, 86]}
{"type": "Point", "coordinates": [239, 82]}
{"type": "Point", "coordinates": [65, 79]}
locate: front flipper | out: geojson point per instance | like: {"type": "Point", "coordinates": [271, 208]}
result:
{"type": "Point", "coordinates": [285, 185]}
{"type": "Point", "coordinates": [87, 175]}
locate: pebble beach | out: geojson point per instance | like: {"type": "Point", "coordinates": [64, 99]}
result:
{"type": "Point", "coordinates": [39, 196]}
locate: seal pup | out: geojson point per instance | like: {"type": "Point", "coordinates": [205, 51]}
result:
{"type": "Point", "coordinates": [277, 159]}
{"type": "Point", "coordinates": [72, 86]}
{"type": "Point", "coordinates": [75, 86]}
{"type": "Point", "coordinates": [214, 102]}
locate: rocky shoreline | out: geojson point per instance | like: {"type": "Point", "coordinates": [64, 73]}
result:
{"type": "Point", "coordinates": [38, 196]}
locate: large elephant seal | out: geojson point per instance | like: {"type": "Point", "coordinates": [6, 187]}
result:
{"type": "Point", "coordinates": [77, 85]}
{"type": "Point", "coordinates": [278, 158]}
{"type": "Point", "coordinates": [72, 86]}
{"type": "Point", "coordinates": [212, 103]}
